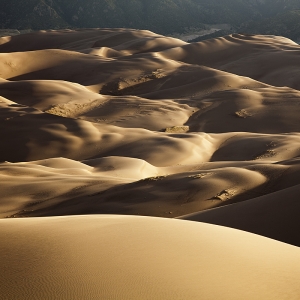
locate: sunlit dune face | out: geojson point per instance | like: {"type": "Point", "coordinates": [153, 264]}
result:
{"type": "Point", "coordinates": [129, 257]}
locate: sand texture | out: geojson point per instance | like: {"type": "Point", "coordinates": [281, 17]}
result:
{"type": "Point", "coordinates": [115, 257]}
{"type": "Point", "coordinates": [112, 122]}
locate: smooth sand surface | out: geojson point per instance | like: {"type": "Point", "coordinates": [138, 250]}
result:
{"type": "Point", "coordinates": [115, 257]}
{"type": "Point", "coordinates": [128, 122]}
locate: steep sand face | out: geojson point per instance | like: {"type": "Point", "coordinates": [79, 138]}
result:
{"type": "Point", "coordinates": [114, 257]}
{"type": "Point", "coordinates": [275, 215]}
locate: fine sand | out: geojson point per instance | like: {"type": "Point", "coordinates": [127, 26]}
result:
{"type": "Point", "coordinates": [107, 122]}
{"type": "Point", "coordinates": [115, 257]}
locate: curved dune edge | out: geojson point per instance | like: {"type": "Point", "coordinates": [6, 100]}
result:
{"type": "Point", "coordinates": [117, 257]}
{"type": "Point", "coordinates": [126, 185]}
{"type": "Point", "coordinates": [274, 215]}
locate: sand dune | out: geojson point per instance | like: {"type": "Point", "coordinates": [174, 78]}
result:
{"type": "Point", "coordinates": [174, 97]}
{"type": "Point", "coordinates": [274, 215]}
{"type": "Point", "coordinates": [255, 109]}
{"type": "Point", "coordinates": [129, 122]}
{"type": "Point", "coordinates": [265, 58]}
{"type": "Point", "coordinates": [199, 94]}
{"type": "Point", "coordinates": [132, 186]}
{"type": "Point", "coordinates": [46, 136]}
{"type": "Point", "coordinates": [73, 100]}
{"type": "Point", "coordinates": [232, 47]}
{"type": "Point", "coordinates": [114, 257]}
{"type": "Point", "coordinates": [116, 39]}
{"type": "Point", "coordinates": [269, 59]}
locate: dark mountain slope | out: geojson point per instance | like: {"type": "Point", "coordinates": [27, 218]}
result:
{"type": "Point", "coordinates": [31, 14]}
{"type": "Point", "coordinates": [286, 24]}
{"type": "Point", "coordinates": [164, 16]}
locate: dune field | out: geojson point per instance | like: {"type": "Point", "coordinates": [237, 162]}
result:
{"type": "Point", "coordinates": [139, 166]}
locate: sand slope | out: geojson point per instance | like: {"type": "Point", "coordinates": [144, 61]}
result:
{"type": "Point", "coordinates": [269, 59]}
{"type": "Point", "coordinates": [109, 257]}
{"type": "Point", "coordinates": [132, 186]}
{"type": "Point", "coordinates": [117, 39]}
{"type": "Point", "coordinates": [274, 215]}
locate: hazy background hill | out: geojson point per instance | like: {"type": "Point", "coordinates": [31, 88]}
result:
{"type": "Point", "coordinates": [162, 16]}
